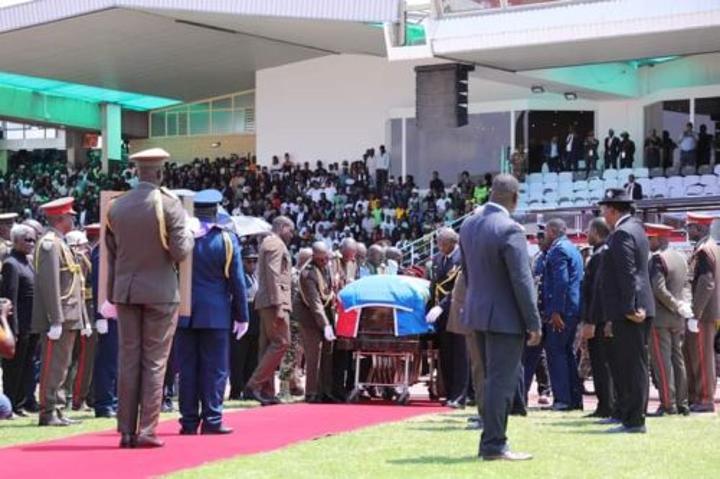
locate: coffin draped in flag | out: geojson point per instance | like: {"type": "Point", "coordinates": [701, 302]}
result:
{"type": "Point", "coordinates": [405, 295]}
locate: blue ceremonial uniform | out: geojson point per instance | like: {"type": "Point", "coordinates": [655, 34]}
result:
{"type": "Point", "coordinates": [105, 369]}
{"type": "Point", "coordinates": [562, 278]}
{"type": "Point", "coordinates": [203, 339]}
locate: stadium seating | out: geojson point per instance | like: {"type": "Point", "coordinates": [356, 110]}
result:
{"type": "Point", "coordinates": [560, 190]}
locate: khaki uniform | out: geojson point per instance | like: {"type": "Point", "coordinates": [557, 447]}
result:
{"type": "Point", "coordinates": [314, 308]}
{"type": "Point", "coordinates": [455, 325]}
{"type": "Point", "coordinates": [57, 300]}
{"type": "Point", "coordinates": [273, 302]}
{"type": "Point", "coordinates": [291, 365]}
{"type": "Point", "coordinates": [668, 276]}
{"type": "Point", "coordinates": [146, 238]}
{"type": "Point", "coordinates": [699, 357]}
{"type": "Point", "coordinates": [84, 351]}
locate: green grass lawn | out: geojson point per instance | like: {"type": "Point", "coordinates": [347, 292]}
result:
{"type": "Point", "coordinates": [437, 446]}
{"type": "Point", "coordinates": [24, 430]}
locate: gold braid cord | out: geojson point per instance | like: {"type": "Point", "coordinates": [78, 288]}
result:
{"type": "Point", "coordinates": [160, 214]}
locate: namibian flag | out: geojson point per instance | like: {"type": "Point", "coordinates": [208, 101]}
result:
{"type": "Point", "coordinates": [406, 295]}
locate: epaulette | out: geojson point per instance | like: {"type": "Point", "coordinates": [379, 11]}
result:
{"type": "Point", "coordinates": [47, 242]}
{"type": "Point", "coordinates": [169, 193]}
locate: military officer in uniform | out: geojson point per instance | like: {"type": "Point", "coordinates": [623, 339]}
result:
{"type": "Point", "coordinates": [147, 235]}
{"type": "Point", "coordinates": [290, 367]}
{"type": "Point", "coordinates": [668, 276]}
{"type": "Point", "coordinates": [454, 362]}
{"type": "Point", "coordinates": [84, 352]}
{"type": "Point", "coordinates": [315, 310]}
{"type": "Point", "coordinates": [105, 369]}
{"type": "Point", "coordinates": [218, 305]}
{"type": "Point", "coordinates": [705, 280]}
{"type": "Point", "coordinates": [274, 305]}
{"type": "Point", "coordinates": [58, 308]}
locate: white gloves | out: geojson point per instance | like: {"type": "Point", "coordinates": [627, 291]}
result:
{"type": "Point", "coordinates": [685, 310]}
{"type": "Point", "coordinates": [239, 329]}
{"type": "Point", "coordinates": [693, 325]}
{"type": "Point", "coordinates": [329, 333]}
{"type": "Point", "coordinates": [102, 326]}
{"type": "Point", "coordinates": [87, 332]}
{"type": "Point", "coordinates": [193, 226]}
{"type": "Point", "coordinates": [55, 332]}
{"type": "Point", "coordinates": [108, 310]}
{"type": "Point", "coordinates": [433, 314]}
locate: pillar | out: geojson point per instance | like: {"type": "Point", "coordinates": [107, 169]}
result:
{"type": "Point", "coordinates": [111, 134]}
{"type": "Point", "coordinates": [3, 161]}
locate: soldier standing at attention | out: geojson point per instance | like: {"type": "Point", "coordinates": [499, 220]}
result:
{"type": "Point", "coordinates": [705, 279]}
{"type": "Point", "coordinates": [147, 234]}
{"type": "Point", "coordinates": [668, 277]}
{"type": "Point", "coordinates": [315, 310]}
{"type": "Point", "coordinates": [273, 303]}
{"type": "Point", "coordinates": [219, 304]}
{"type": "Point", "coordinates": [58, 309]}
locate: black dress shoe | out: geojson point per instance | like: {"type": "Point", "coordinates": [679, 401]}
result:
{"type": "Point", "coordinates": [330, 399]}
{"type": "Point", "coordinates": [259, 397]}
{"type": "Point", "coordinates": [508, 456]}
{"type": "Point", "coordinates": [684, 410]}
{"type": "Point", "coordinates": [32, 408]}
{"type": "Point", "coordinates": [186, 431]}
{"type": "Point", "coordinates": [147, 442]}
{"type": "Point", "coordinates": [702, 408]}
{"type": "Point", "coordinates": [127, 441]}
{"type": "Point", "coordinates": [217, 430]}
{"type": "Point", "coordinates": [455, 405]}
{"type": "Point", "coordinates": [313, 399]}
{"type": "Point", "coordinates": [105, 414]}
{"type": "Point", "coordinates": [20, 413]}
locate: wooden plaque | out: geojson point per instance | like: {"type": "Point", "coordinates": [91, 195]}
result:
{"type": "Point", "coordinates": [185, 279]}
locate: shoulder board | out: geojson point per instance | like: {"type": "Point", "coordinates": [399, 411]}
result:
{"type": "Point", "coordinates": [47, 242]}
{"type": "Point", "coordinates": [168, 193]}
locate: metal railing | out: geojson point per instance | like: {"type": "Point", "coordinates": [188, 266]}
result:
{"type": "Point", "coordinates": [463, 7]}
{"type": "Point", "coordinates": [421, 250]}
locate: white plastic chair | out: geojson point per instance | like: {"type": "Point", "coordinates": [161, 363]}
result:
{"type": "Point", "coordinates": [694, 190]}
{"type": "Point", "coordinates": [580, 185]}
{"type": "Point", "coordinates": [624, 173]}
{"type": "Point", "coordinates": [565, 177]}
{"type": "Point", "coordinates": [659, 191]}
{"type": "Point", "coordinates": [641, 172]}
{"type": "Point", "coordinates": [550, 177]}
{"type": "Point", "coordinates": [691, 180]}
{"type": "Point", "coordinates": [610, 173]}
{"type": "Point", "coordinates": [708, 180]}
{"type": "Point", "coordinates": [716, 170]}
{"type": "Point", "coordinates": [535, 178]}
{"type": "Point", "coordinates": [645, 183]}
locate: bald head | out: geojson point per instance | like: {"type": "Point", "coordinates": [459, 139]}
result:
{"type": "Point", "coordinates": [320, 254]}
{"type": "Point", "coordinates": [505, 190]}
{"type": "Point", "coordinates": [284, 228]}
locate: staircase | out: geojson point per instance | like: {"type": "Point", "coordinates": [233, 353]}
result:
{"type": "Point", "coordinates": [421, 250]}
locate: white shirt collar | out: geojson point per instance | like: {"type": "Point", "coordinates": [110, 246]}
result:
{"type": "Point", "coordinates": [500, 207]}
{"type": "Point", "coordinates": [622, 220]}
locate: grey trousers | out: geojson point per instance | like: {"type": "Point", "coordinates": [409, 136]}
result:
{"type": "Point", "coordinates": [668, 364]}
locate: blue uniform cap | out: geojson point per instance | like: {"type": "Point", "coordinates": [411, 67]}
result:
{"type": "Point", "coordinates": [207, 198]}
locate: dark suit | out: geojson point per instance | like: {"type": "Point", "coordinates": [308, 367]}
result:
{"type": "Point", "coordinates": [598, 345]}
{"type": "Point", "coordinates": [454, 364]}
{"type": "Point", "coordinates": [500, 306]}
{"type": "Point", "coordinates": [612, 151]}
{"type": "Point", "coordinates": [626, 289]}
{"type": "Point", "coordinates": [575, 153]}
{"type": "Point", "coordinates": [627, 153]}
{"type": "Point", "coordinates": [562, 277]}
{"type": "Point", "coordinates": [18, 284]}
{"type": "Point", "coordinates": [634, 190]}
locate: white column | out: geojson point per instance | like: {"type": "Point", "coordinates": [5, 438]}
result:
{"type": "Point", "coordinates": [111, 134]}
{"type": "Point", "coordinates": [403, 150]}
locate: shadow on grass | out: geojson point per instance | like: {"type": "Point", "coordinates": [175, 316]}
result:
{"type": "Point", "coordinates": [570, 423]}
{"type": "Point", "coordinates": [439, 460]}
{"type": "Point", "coordinates": [439, 429]}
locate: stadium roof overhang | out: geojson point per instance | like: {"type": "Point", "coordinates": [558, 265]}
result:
{"type": "Point", "coordinates": [182, 49]}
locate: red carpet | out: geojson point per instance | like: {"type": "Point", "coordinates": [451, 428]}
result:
{"type": "Point", "coordinates": [256, 430]}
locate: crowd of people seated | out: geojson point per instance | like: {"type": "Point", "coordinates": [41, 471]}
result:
{"type": "Point", "coordinates": [327, 201]}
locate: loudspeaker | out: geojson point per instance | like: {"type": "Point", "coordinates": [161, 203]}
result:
{"type": "Point", "coordinates": [441, 95]}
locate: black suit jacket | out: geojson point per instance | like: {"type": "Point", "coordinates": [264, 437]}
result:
{"type": "Point", "coordinates": [444, 274]}
{"type": "Point", "coordinates": [18, 285]}
{"type": "Point", "coordinates": [625, 272]}
{"type": "Point", "coordinates": [592, 311]}
{"type": "Point", "coordinates": [612, 147]}
{"type": "Point", "coordinates": [637, 192]}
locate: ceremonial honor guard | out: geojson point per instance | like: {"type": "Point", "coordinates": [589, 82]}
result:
{"type": "Point", "coordinates": [147, 235]}
{"type": "Point", "coordinates": [244, 352]}
{"type": "Point", "coordinates": [273, 301]}
{"type": "Point", "coordinates": [84, 352]}
{"type": "Point", "coordinates": [315, 309]}
{"type": "Point", "coordinates": [58, 308]}
{"type": "Point", "coordinates": [218, 305]}
{"type": "Point", "coordinates": [105, 369]}
{"type": "Point", "coordinates": [705, 275]}
{"type": "Point", "coordinates": [668, 275]}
